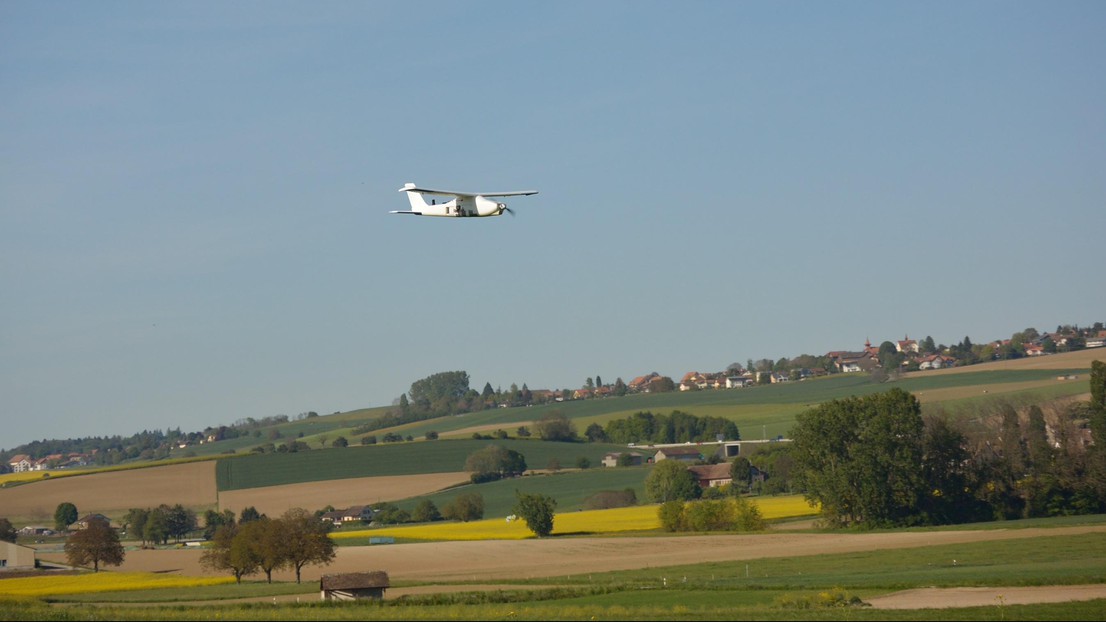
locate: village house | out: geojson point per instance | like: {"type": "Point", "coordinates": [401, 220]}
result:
{"type": "Point", "coordinates": [20, 463]}
{"type": "Point", "coordinates": [936, 361]}
{"type": "Point", "coordinates": [354, 585]}
{"type": "Point", "coordinates": [82, 523]}
{"type": "Point", "coordinates": [738, 382]}
{"type": "Point", "coordinates": [641, 383]}
{"type": "Point", "coordinates": [711, 475]}
{"type": "Point", "coordinates": [352, 514]}
{"type": "Point", "coordinates": [907, 346]}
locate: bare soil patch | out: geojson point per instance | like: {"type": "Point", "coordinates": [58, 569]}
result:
{"type": "Point", "coordinates": [114, 492]}
{"type": "Point", "coordinates": [340, 493]}
{"type": "Point", "coordinates": [943, 598]}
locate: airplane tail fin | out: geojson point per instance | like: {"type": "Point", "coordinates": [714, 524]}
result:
{"type": "Point", "coordinates": [418, 203]}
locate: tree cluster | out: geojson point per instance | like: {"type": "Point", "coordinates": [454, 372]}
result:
{"type": "Point", "coordinates": [296, 539]}
{"type": "Point", "coordinates": [875, 461]}
{"type": "Point", "coordinates": [494, 462]}
{"type": "Point", "coordinates": [677, 427]}
{"type": "Point", "coordinates": [158, 525]}
{"type": "Point", "coordinates": [728, 514]}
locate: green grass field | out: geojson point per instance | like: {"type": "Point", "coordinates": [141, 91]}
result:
{"type": "Point", "coordinates": [441, 456]}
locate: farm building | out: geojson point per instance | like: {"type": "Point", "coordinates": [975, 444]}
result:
{"type": "Point", "coordinates": [683, 454]}
{"type": "Point", "coordinates": [611, 459]}
{"type": "Point", "coordinates": [83, 522]}
{"type": "Point", "coordinates": [711, 475]}
{"type": "Point", "coordinates": [357, 513]}
{"type": "Point", "coordinates": [14, 556]}
{"type": "Point", "coordinates": [354, 585]}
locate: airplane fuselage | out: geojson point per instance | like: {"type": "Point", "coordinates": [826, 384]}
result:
{"type": "Point", "coordinates": [462, 204]}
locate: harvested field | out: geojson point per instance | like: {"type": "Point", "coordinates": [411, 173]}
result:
{"type": "Point", "coordinates": [504, 560]}
{"type": "Point", "coordinates": [340, 493]}
{"type": "Point", "coordinates": [113, 493]}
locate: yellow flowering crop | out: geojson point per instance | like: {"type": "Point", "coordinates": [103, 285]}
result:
{"type": "Point", "coordinates": [636, 518]}
{"type": "Point", "coordinates": [56, 585]}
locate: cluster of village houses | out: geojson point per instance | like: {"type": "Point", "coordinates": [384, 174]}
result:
{"type": "Point", "coordinates": [20, 463]}
{"type": "Point", "coordinates": [844, 361]}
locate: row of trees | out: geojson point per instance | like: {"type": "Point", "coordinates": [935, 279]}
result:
{"type": "Point", "coordinates": [297, 539]}
{"type": "Point", "coordinates": [677, 427]}
{"type": "Point", "coordinates": [875, 461]}
{"type": "Point", "coordinates": [465, 507]}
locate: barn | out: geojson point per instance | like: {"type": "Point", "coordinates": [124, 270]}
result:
{"type": "Point", "coordinates": [16, 557]}
{"type": "Point", "coordinates": [354, 585]}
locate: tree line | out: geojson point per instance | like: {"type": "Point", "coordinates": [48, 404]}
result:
{"type": "Point", "coordinates": [875, 461]}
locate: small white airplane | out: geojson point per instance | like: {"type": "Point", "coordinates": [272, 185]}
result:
{"type": "Point", "coordinates": [462, 204]}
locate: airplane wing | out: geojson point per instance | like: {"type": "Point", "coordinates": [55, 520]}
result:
{"type": "Point", "coordinates": [453, 193]}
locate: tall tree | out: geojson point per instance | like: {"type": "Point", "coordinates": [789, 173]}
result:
{"type": "Point", "coordinates": [96, 544]}
{"type": "Point", "coordinates": [859, 458]}
{"type": "Point", "coordinates": [271, 544]}
{"type": "Point", "coordinates": [7, 531]}
{"type": "Point", "coordinates": [307, 540]}
{"type": "Point", "coordinates": [1096, 455]}
{"type": "Point", "coordinates": [229, 552]}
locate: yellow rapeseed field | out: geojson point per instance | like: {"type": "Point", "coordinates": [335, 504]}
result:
{"type": "Point", "coordinates": [636, 518]}
{"type": "Point", "coordinates": [57, 585]}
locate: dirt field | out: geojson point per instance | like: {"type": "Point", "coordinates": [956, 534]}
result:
{"type": "Point", "coordinates": [112, 493]}
{"type": "Point", "coordinates": [943, 598]}
{"type": "Point", "coordinates": [504, 560]}
{"type": "Point", "coordinates": [340, 493]}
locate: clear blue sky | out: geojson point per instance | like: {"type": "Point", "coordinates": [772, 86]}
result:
{"type": "Point", "coordinates": [194, 196]}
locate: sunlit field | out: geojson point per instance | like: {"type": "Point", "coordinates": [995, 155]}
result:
{"type": "Point", "coordinates": [55, 585]}
{"type": "Point", "coordinates": [613, 521]}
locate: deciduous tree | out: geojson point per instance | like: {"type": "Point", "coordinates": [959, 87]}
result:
{"type": "Point", "coordinates": [671, 481]}
{"type": "Point", "coordinates": [64, 516]}
{"type": "Point", "coordinates": [537, 510]}
{"type": "Point", "coordinates": [229, 552]}
{"type": "Point", "coordinates": [306, 540]}
{"type": "Point", "coordinates": [860, 458]}
{"type": "Point", "coordinates": [7, 531]}
{"type": "Point", "coordinates": [556, 426]}
{"type": "Point", "coordinates": [96, 544]}
{"type": "Point", "coordinates": [465, 507]}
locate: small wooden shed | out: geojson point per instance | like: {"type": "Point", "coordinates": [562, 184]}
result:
{"type": "Point", "coordinates": [354, 585]}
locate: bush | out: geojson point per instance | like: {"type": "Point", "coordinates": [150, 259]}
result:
{"type": "Point", "coordinates": [607, 499]}
{"type": "Point", "coordinates": [732, 514]}
{"type": "Point", "coordinates": [466, 507]}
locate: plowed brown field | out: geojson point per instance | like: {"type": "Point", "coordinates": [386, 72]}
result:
{"type": "Point", "coordinates": [114, 492]}
{"type": "Point", "coordinates": [340, 493]}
